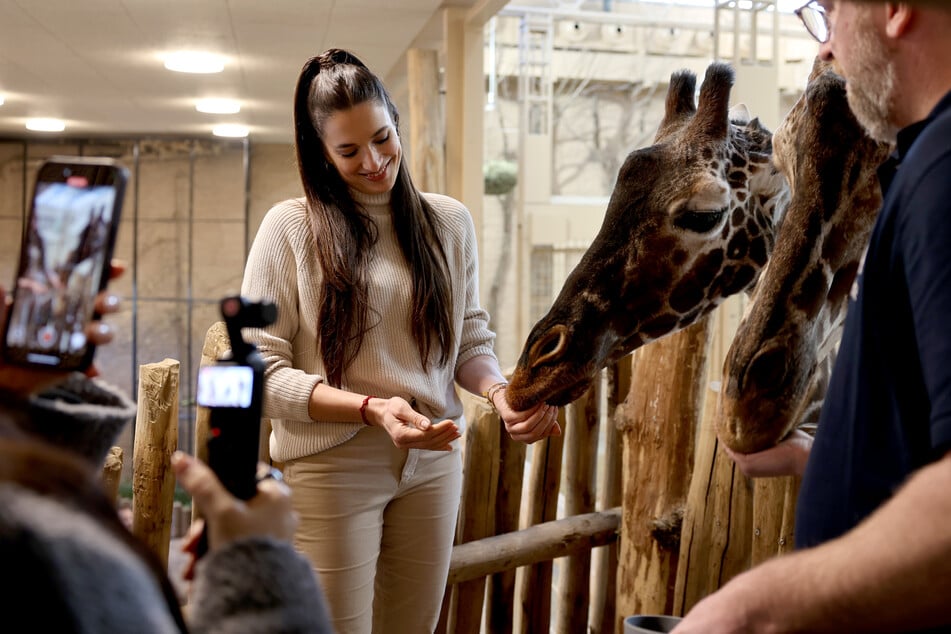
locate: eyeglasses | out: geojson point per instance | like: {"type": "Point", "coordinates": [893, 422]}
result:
{"type": "Point", "coordinates": [815, 20]}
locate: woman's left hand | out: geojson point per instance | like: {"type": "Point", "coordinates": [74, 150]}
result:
{"type": "Point", "coordinates": [529, 426]}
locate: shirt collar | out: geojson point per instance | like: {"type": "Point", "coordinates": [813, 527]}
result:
{"type": "Point", "coordinates": [905, 139]}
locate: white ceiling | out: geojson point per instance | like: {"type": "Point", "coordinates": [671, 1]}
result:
{"type": "Point", "coordinates": [98, 63]}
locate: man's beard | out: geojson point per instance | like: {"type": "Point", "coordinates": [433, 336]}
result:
{"type": "Point", "coordinates": [871, 85]}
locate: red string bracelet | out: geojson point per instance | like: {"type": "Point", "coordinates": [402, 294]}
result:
{"type": "Point", "coordinates": [363, 410]}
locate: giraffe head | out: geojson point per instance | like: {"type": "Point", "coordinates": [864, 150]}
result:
{"type": "Point", "coordinates": [773, 365]}
{"type": "Point", "coordinates": [690, 222]}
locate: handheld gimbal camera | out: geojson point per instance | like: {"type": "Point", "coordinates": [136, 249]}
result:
{"type": "Point", "coordinates": [233, 389]}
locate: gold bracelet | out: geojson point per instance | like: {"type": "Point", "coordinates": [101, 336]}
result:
{"type": "Point", "coordinates": [490, 393]}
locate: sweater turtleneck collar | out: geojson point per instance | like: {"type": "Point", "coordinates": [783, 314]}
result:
{"type": "Point", "coordinates": [375, 204]}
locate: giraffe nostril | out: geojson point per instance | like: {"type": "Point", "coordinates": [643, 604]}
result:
{"type": "Point", "coordinates": [767, 371]}
{"type": "Point", "coordinates": [550, 346]}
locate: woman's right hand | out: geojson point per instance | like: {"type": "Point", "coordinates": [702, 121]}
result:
{"type": "Point", "coordinates": [408, 428]}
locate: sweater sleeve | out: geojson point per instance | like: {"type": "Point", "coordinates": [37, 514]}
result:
{"type": "Point", "coordinates": [257, 585]}
{"type": "Point", "coordinates": [282, 247]}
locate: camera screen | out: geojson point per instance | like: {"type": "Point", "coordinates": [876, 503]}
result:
{"type": "Point", "coordinates": [225, 386]}
{"type": "Point", "coordinates": [62, 266]}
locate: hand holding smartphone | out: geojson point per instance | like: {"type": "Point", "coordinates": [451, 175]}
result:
{"type": "Point", "coordinates": [64, 262]}
{"type": "Point", "coordinates": [233, 391]}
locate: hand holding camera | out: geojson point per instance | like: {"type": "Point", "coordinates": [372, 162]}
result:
{"type": "Point", "coordinates": [233, 390]}
{"type": "Point", "coordinates": [227, 519]}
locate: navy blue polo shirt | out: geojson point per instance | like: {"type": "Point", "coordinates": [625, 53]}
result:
{"type": "Point", "coordinates": [888, 408]}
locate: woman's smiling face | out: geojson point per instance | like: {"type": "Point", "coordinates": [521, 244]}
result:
{"type": "Point", "coordinates": [362, 144]}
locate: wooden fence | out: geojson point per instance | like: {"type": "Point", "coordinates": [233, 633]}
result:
{"type": "Point", "coordinates": [538, 545]}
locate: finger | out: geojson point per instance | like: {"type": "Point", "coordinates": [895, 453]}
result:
{"type": "Point", "coordinates": [107, 302]}
{"type": "Point", "coordinates": [188, 574]}
{"type": "Point", "coordinates": [271, 489]}
{"type": "Point", "coordinates": [437, 442]}
{"type": "Point", "coordinates": [99, 332]}
{"type": "Point", "coordinates": [201, 483]}
{"type": "Point", "coordinates": [192, 536]}
{"type": "Point", "coordinates": [444, 425]}
{"type": "Point", "coordinates": [421, 423]}
{"type": "Point", "coordinates": [533, 426]}
{"type": "Point", "coordinates": [116, 268]}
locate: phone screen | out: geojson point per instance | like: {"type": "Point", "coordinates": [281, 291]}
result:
{"type": "Point", "coordinates": [225, 386]}
{"type": "Point", "coordinates": [66, 249]}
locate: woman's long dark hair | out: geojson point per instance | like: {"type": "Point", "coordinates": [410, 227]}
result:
{"type": "Point", "coordinates": [59, 475]}
{"type": "Point", "coordinates": [333, 81]}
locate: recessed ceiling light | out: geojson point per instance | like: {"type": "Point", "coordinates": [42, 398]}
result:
{"type": "Point", "coordinates": [42, 124]}
{"type": "Point", "coordinates": [218, 106]}
{"type": "Point", "coordinates": [230, 130]}
{"type": "Point", "coordinates": [194, 62]}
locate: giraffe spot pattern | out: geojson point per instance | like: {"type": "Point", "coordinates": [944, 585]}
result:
{"type": "Point", "coordinates": [691, 289]}
{"type": "Point", "coordinates": [738, 217]}
{"type": "Point", "coordinates": [738, 246]}
{"type": "Point", "coordinates": [834, 246]}
{"type": "Point", "coordinates": [758, 251]}
{"type": "Point", "coordinates": [659, 326]}
{"type": "Point", "coordinates": [812, 293]}
{"type": "Point", "coordinates": [741, 279]}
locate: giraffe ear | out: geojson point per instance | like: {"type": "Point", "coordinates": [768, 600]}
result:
{"type": "Point", "coordinates": [740, 114]}
{"type": "Point", "coordinates": [712, 119]}
{"type": "Point", "coordinates": [679, 106]}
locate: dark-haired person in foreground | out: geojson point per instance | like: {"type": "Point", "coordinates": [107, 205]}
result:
{"type": "Point", "coordinates": [70, 565]}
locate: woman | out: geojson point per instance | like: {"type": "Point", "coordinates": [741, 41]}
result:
{"type": "Point", "coordinates": [379, 317]}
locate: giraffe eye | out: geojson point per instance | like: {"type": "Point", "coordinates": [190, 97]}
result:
{"type": "Point", "coordinates": [699, 221]}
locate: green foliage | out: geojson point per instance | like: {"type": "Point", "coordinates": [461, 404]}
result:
{"type": "Point", "coordinates": [499, 176]}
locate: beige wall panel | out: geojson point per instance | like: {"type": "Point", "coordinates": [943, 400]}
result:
{"type": "Point", "coordinates": [163, 260]}
{"type": "Point", "coordinates": [218, 192]}
{"type": "Point", "coordinates": [274, 177]}
{"type": "Point", "coordinates": [164, 187]}
{"type": "Point", "coordinates": [218, 259]}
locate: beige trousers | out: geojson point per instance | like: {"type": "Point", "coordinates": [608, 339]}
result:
{"type": "Point", "coordinates": [377, 523]}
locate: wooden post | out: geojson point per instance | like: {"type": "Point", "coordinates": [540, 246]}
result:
{"type": "Point", "coordinates": [658, 422]}
{"type": "Point", "coordinates": [156, 437]}
{"type": "Point", "coordinates": [604, 562]}
{"type": "Point", "coordinates": [477, 513]}
{"type": "Point", "coordinates": [216, 344]}
{"type": "Point", "coordinates": [500, 595]}
{"type": "Point", "coordinates": [112, 473]}
{"type": "Point", "coordinates": [774, 517]}
{"type": "Point", "coordinates": [716, 538]}
{"type": "Point", "coordinates": [426, 121]}
{"type": "Point", "coordinates": [533, 584]}
{"type": "Point", "coordinates": [581, 449]}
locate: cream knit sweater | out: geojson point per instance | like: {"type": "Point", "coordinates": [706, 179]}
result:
{"type": "Point", "coordinates": [282, 267]}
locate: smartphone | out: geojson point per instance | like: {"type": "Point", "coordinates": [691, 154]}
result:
{"type": "Point", "coordinates": [64, 262]}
